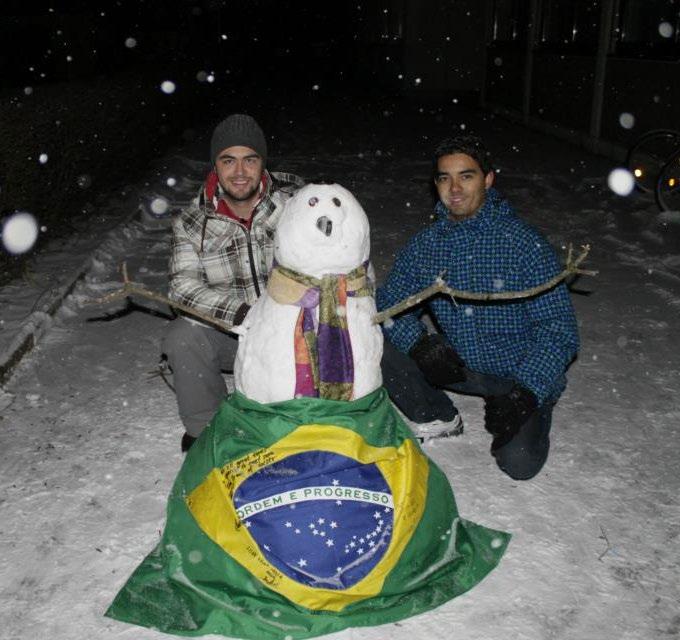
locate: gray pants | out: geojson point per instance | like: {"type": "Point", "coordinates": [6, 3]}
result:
{"type": "Point", "coordinates": [197, 356]}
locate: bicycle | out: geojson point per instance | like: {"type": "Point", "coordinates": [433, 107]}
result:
{"type": "Point", "coordinates": [654, 161]}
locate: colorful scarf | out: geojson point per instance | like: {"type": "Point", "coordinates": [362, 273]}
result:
{"type": "Point", "coordinates": [324, 366]}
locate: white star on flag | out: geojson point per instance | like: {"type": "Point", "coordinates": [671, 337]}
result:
{"type": "Point", "coordinates": [376, 515]}
{"type": "Point", "coordinates": [334, 525]}
{"type": "Point", "coordinates": [302, 562]}
{"type": "Point", "coordinates": [329, 543]}
{"type": "Point", "coordinates": [335, 483]}
{"type": "Point", "coordinates": [289, 524]}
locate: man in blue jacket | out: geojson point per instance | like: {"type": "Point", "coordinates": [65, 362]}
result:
{"type": "Point", "coordinates": [514, 353]}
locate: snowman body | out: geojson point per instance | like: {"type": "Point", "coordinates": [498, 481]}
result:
{"type": "Point", "coordinates": [323, 230]}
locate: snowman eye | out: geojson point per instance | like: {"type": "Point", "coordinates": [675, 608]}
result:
{"type": "Point", "coordinates": [336, 202]}
{"type": "Point", "coordinates": [312, 201]}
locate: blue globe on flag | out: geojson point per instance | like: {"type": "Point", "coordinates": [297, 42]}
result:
{"type": "Point", "coordinates": [323, 519]}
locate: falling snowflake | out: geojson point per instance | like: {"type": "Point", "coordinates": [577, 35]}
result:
{"type": "Point", "coordinates": [19, 232]}
{"type": "Point", "coordinates": [621, 181]}
{"type": "Point", "coordinates": [84, 181]}
{"type": "Point", "coordinates": [195, 556]}
{"type": "Point", "coordinates": [627, 120]}
{"type": "Point", "coordinates": [168, 87]}
{"type": "Point", "coordinates": [666, 30]}
{"type": "Point", "coordinates": [159, 206]}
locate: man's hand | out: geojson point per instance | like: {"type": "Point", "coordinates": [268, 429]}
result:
{"type": "Point", "coordinates": [438, 361]}
{"type": "Point", "coordinates": [241, 320]}
{"type": "Point", "coordinates": [506, 414]}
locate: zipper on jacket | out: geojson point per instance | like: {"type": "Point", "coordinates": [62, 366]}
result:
{"type": "Point", "coordinates": [251, 255]}
{"type": "Point", "coordinates": [251, 259]}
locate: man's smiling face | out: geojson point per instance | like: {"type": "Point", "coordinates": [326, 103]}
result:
{"type": "Point", "coordinates": [461, 185]}
{"type": "Point", "coordinates": [239, 170]}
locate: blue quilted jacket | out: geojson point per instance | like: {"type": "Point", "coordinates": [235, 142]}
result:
{"type": "Point", "coordinates": [530, 340]}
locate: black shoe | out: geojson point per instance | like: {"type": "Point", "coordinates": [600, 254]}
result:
{"type": "Point", "coordinates": [187, 441]}
{"type": "Point", "coordinates": [499, 441]}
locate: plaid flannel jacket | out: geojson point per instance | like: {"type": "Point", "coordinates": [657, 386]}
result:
{"type": "Point", "coordinates": [217, 265]}
{"type": "Point", "coordinates": [530, 341]}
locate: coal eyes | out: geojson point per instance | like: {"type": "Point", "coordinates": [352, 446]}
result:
{"type": "Point", "coordinates": [312, 202]}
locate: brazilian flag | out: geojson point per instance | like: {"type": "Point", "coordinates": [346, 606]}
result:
{"type": "Point", "coordinates": [299, 518]}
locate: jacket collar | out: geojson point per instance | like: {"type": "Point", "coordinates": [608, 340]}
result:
{"type": "Point", "coordinates": [494, 205]}
{"type": "Point", "coordinates": [210, 201]}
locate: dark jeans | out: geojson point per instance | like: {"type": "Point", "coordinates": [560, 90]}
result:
{"type": "Point", "coordinates": [521, 458]}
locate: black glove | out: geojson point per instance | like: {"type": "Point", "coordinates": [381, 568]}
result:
{"type": "Point", "coordinates": [506, 414]}
{"type": "Point", "coordinates": [438, 361]}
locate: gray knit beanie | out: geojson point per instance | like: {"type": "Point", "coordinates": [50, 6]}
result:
{"type": "Point", "coordinates": [238, 130]}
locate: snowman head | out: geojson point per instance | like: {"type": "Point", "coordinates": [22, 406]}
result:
{"type": "Point", "coordinates": [322, 230]}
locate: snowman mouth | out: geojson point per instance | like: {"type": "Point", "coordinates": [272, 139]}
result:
{"type": "Point", "coordinates": [325, 225]}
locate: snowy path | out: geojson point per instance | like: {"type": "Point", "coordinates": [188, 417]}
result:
{"type": "Point", "coordinates": [91, 443]}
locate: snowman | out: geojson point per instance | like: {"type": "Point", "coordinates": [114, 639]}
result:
{"type": "Point", "coordinates": [311, 334]}
{"type": "Point", "coordinates": [307, 515]}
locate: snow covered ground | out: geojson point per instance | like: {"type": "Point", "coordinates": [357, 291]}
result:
{"type": "Point", "coordinates": [90, 439]}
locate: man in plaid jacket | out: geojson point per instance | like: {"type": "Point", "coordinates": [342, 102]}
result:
{"type": "Point", "coordinates": [222, 252]}
{"type": "Point", "coordinates": [515, 353]}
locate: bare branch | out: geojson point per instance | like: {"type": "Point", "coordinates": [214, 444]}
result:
{"type": "Point", "coordinates": [606, 539]}
{"type": "Point", "coordinates": [132, 289]}
{"type": "Point", "coordinates": [571, 268]}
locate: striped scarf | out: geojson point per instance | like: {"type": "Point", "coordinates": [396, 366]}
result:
{"type": "Point", "coordinates": [324, 367]}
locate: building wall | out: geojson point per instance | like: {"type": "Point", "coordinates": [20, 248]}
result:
{"type": "Point", "coordinates": [553, 86]}
{"type": "Point", "coordinates": [505, 76]}
{"type": "Point", "coordinates": [647, 89]}
{"type": "Point", "coordinates": [562, 89]}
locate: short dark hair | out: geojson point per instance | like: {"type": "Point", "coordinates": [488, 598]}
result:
{"type": "Point", "coordinates": [468, 144]}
